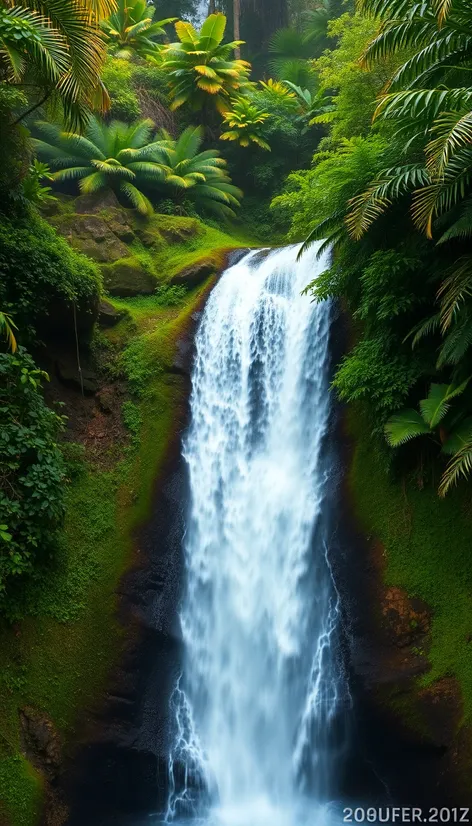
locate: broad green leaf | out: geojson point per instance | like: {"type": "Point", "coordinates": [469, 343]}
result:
{"type": "Point", "coordinates": [213, 30]}
{"type": "Point", "coordinates": [403, 426]}
{"type": "Point", "coordinates": [435, 407]}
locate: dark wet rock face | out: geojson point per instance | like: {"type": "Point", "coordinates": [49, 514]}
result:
{"type": "Point", "coordinates": [77, 378]}
{"type": "Point", "coordinates": [411, 732]}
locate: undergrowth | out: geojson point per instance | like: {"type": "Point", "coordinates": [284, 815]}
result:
{"type": "Point", "coordinates": [427, 543]}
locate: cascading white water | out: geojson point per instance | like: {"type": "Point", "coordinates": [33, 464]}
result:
{"type": "Point", "coordinates": [257, 711]}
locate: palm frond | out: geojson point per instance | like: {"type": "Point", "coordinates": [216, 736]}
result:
{"type": "Point", "coordinates": [454, 290]}
{"type": "Point", "coordinates": [437, 404]}
{"type": "Point", "coordinates": [459, 466]}
{"type": "Point", "coordinates": [138, 200]}
{"type": "Point", "coordinates": [405, 426]}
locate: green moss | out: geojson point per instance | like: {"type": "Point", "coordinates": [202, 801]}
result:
{"type": "Point", "coordinates": [21, 791]}
{"type": "Point", "coordinates": [182, 242]}
{"type": "Point", "coordinates": [427, 542]}
{"type": "Point", "coordinates": [128, 276]}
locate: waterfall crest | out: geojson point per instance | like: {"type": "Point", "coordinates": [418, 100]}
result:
{"type": "Point", "coordinates": [258, 711]}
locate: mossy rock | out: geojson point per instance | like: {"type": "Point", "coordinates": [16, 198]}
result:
{"type": "Point", "coordinates": [150, 238]}
{"type": "Point", "coordinates": [96, 202]}
{"type": "Point", "coordinates": [178, 233]}
{"type": "Point", "coordinates": [60, 205]}
{"type": "Point", "coordinates": [110, 316]}
{"type": "Point", "coordinates": [91, 235]}
{"type": "Point", "coordinates": [195, 274]}
{"type": "Point", "coordinates": [173, 229]}
{"type": "Point", "coordinates": [118, 222]}
{"type": "Point", "coordinates": [127, 278]}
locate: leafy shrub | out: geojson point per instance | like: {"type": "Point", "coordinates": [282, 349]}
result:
{"type": "Point", "coordinates": [132, 418]}
{"type": "Point", "coordinates": [377, 372]}
{"type": "Point", "coordinates": [31, 470]}
{"type": "Point", "coordinates": [118, 78]}
{"type": "Point", "coordinates": [139, 365]}
{"type": "Point", "coordinates": [170, 295]}
{"type": "Point", "coordinates": [74, 456]}
{"type": "Point", "coordinates": [38, 269]}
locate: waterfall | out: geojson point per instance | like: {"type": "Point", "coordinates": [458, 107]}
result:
{"type": "Point", "coordinates": [259, 711]}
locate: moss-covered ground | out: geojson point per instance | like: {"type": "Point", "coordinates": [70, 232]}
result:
{"type": "Point", "coordinates": [428, 549]}
{"type": "Point", "coordinates": [56, 659]}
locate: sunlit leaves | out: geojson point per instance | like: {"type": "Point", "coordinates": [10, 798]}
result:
{"type": "Point", "coordinates": [201, 68]}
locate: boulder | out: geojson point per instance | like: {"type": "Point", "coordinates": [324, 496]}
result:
{"type": "Point", "coordinates": [88, 204]}
{"type": "Point", "coordinates": [177, 230]}
{"type": "Point", "coordinates": [91, 235]}
{"type": "Point", "coordinates": [108, 315]}
{"type": "Point", "coordinates": [106, 400]}
{"type": "Point", "coordinates": [117, 221]}
{"type": "Point", "coordinates": [127, 278]}
{"type": "Point", "coordinates": [69, 376]}
{"type": "Point", "coordinates": [195, 274]}
{"type": "Point", "coordinates": [149, 238]}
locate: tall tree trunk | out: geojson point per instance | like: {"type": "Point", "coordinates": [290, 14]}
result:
{"type": "Point", "coordinates": [264, 17]}
{"type": "Point", "coordinates": [237, 26]}
{"type": "Point", "coordinates": [211, 7]}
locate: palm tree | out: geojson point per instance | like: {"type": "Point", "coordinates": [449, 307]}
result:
{"type": "Point", "coordinates": [200, 66]}
{"type": "Point", "coordinates": [131, 29]}
{"type": "Point", "coordinates": [55, 48]}
{"type": "Point", "coordinates": [246, 123]}
{"type": "Point", "coordinates": [431, 109]}
{"type": "Point", "coordinates": [115, 156]}
{"type": "Point", "coordinates": [201, 177]}
{"type": "Point", "coordinates": [430, 99]}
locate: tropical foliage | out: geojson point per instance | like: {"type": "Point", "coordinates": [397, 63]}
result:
{"type": "Point", "coordinates": [452, 430]}
{"type": "Point", "coordinates": [397, 82]}
{"type": "Point", "coordinates": [31, 470]}
{"type": "Point", "coordinates": [7, 327]}
{"type": "Point", "coordinates": [132, 31]}
{"type": "Point", "coordinates": [200, 66]}
{"type": "Point", "coordinates": [115, 156]}
{"type": "Point", "coordinates": [48, 273]}
{"type": "Point", "coordinates": [55, 50]}
{"type": "Point", "coordinates": [246, 124]}
{"type": "Point", "coordinates": [199, 176]}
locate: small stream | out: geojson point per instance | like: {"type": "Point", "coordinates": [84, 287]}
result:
{"type": "Point", "coordinates": [260, 713]}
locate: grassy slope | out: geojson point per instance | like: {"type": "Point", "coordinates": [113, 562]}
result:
{"type": "Point", "coordinates": [428, 544]}
{"type": "Point", "coordinates": [57, 660]}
